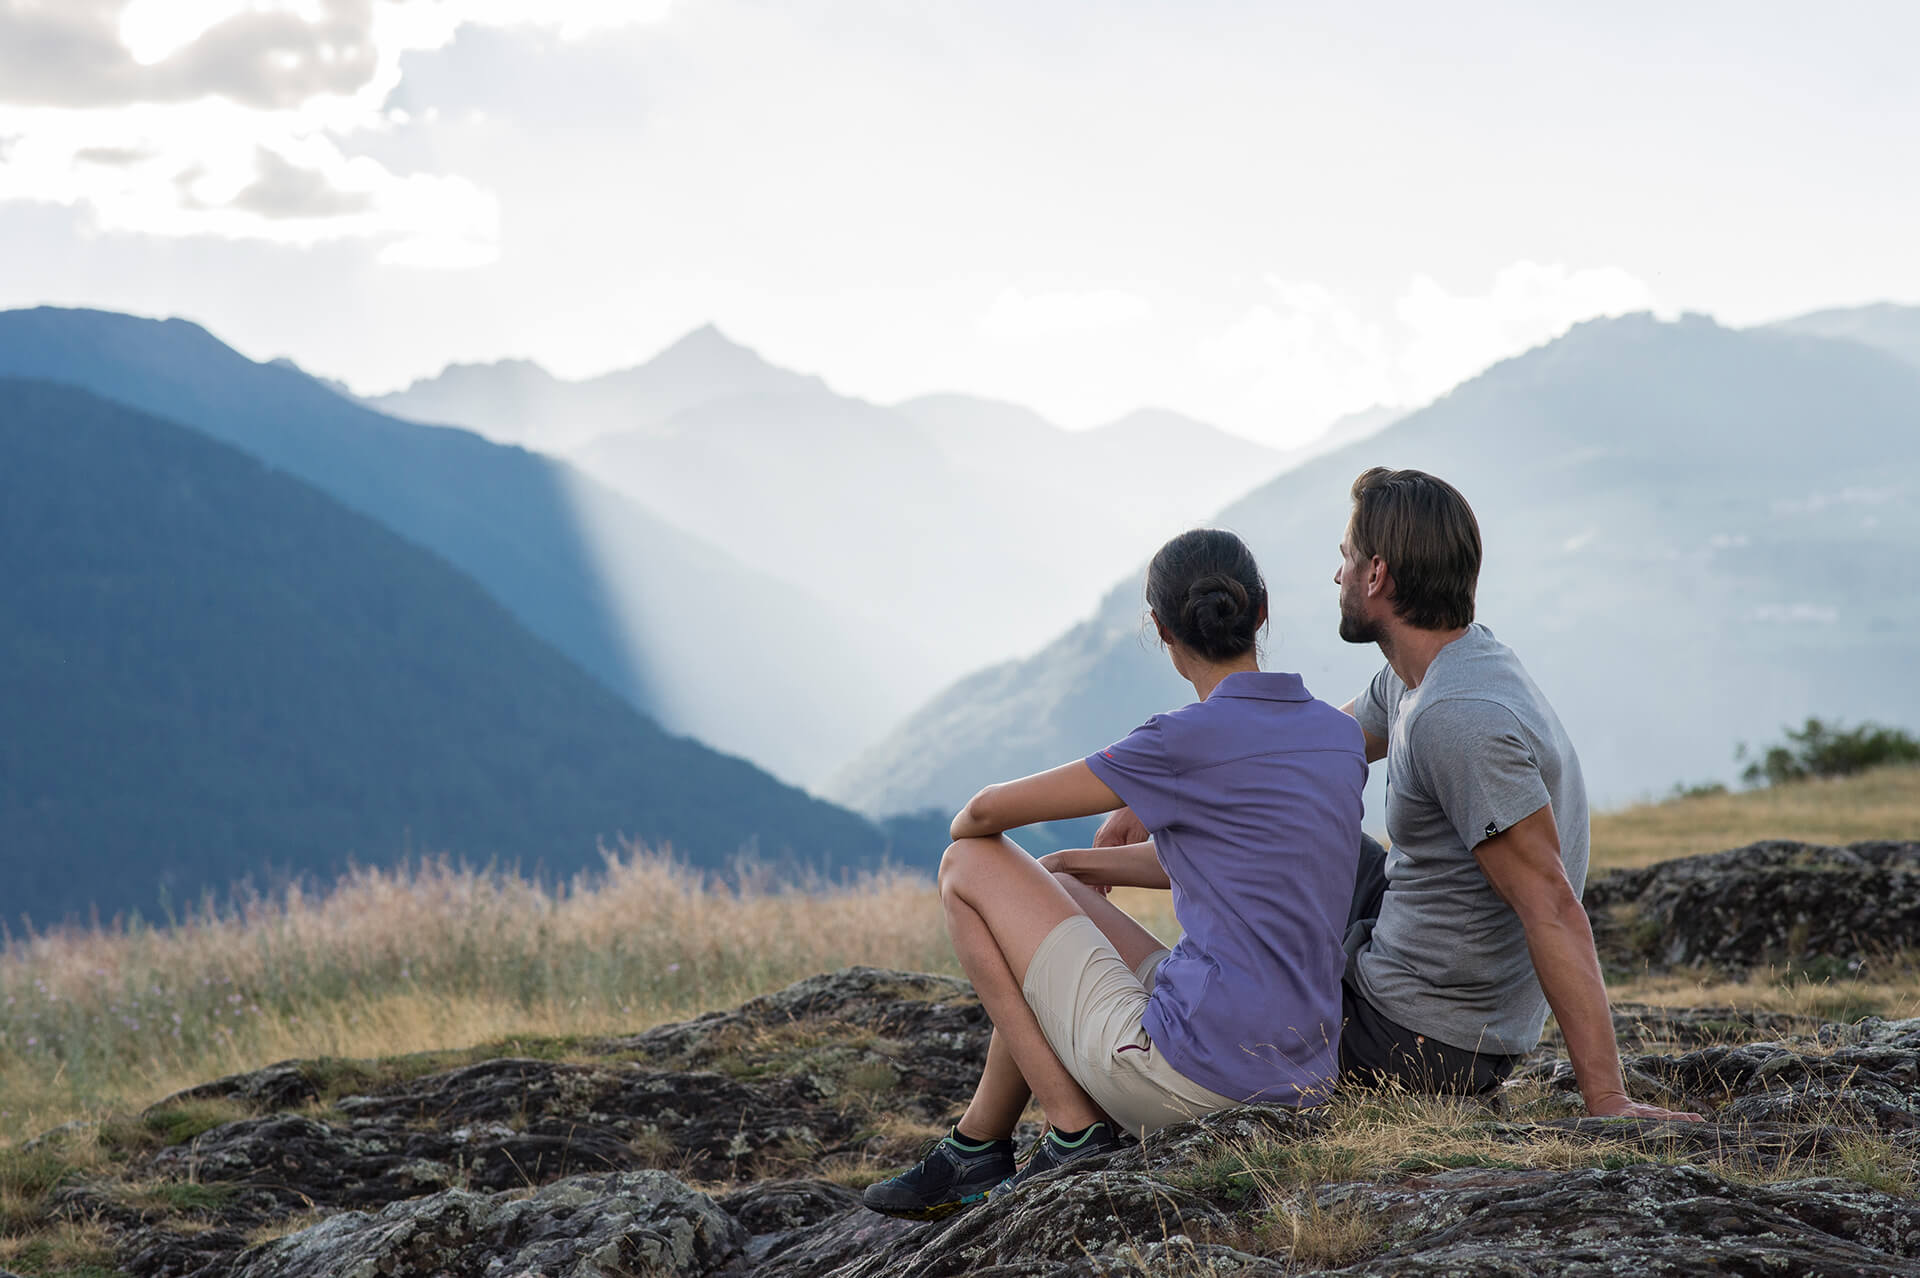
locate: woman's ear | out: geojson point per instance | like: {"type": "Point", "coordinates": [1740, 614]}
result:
{"type": "Point", "coordinates": [1166, 636]}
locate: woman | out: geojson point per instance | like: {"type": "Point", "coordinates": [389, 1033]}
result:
{"type": "Point", "coordinates": [1252, 799]}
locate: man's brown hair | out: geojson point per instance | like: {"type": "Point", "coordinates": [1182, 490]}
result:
{"type": "Point", "coordinates": [1425, 531]}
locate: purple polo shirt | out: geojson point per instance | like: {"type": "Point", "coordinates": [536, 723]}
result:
{"type": "Point", "coordinates": [1253, 799]}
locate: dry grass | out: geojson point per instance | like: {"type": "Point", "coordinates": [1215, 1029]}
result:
{"type": "Point", "coordinates": [104, 1020]}
{"type": "Point", "coordinates": [392, 962]}
{"type": "Point", "coordinates": [1892, 991]}
{"type": "Point", "coordinates": [1882, 804]}
{"type": "Point", "coordinates": [73, 1249]}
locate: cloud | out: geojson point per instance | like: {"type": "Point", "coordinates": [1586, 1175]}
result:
{"type": "Point", "coordinates": [1023, 317]}
{"type": "Point", "coordinates": [1450, 338]}
{"type": "Point", "coordinates": [1305, 354]}
{"type": "Point", "coordinates": [112, 156]}
{"type": "Point", "coordinates": [271, 56]}
{"type": "Point", "coordinates": [285, 190]}
{"type": "Point", "coordinates": [234, 117]}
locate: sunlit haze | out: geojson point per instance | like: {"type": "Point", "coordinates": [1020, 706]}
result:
{"type": "Point", "coordinates": [1263, 217]}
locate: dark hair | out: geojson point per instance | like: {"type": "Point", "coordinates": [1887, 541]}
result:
{"type": "Point", "coordinates": [1204, 587]}
{"type": "Point", "coordinates": [1428, 536]}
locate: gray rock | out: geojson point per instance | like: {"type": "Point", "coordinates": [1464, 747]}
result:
{"type": "Point", "coordinates": [1827, 909]}
{"type": "Point", "coordinates": [1058, 1219]}
{"type": "Point", "coordinates": [583, 1227]}
{"type": "Point", "coordinates": [1649, 1219]}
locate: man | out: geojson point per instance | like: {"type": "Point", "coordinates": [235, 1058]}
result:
{"type": "Point", "coordinates": [1461, 939]}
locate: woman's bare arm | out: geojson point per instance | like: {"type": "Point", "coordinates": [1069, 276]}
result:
{"type": "Point", "coordinates": [1129, 865]}
{"type": "Point", "coordinates": [1058, 794]}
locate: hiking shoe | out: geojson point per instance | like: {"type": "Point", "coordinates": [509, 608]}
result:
{"type": "Point", "coordinates": [956, 1173]}
{"type": "Point", "coordinates": [1052, 1152]}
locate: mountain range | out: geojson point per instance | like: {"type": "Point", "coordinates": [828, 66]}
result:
{"type": "Point", "coordinates": [1694, 536]}
{"type": "Point", "coordinates": [254, 622]}
{"type": "Point", "coordinates": [211, 670]}
{"type": "Point", "coordinates": [745, 662]}
{"type": "Point", "coordinates": [976, 527]}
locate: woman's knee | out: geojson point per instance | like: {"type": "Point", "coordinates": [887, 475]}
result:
{"type": "Point", "coordinates": [961, 861]}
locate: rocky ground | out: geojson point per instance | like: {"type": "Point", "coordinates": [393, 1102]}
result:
{"type": "Point", "coordinates": [736, 1143]}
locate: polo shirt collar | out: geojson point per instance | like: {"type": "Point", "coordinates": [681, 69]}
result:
{"type": "Point", "coordinates": [1262, 685]}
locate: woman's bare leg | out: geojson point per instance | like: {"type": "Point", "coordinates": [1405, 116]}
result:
{"type": "Point", "coordinates": [1003, 1093]}
{"type": "Point", "coordinates": [1000, 904]}
{"type": "Point", "coordinates": [1128, 936]}
{"type": "Point", "coordinates": [1000, 1097]}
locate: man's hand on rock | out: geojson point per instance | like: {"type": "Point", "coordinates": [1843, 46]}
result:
{"type": "Point", "coordinates": [1618, 1105]}
{"type": "Point", "coordinates": [1119, 829]}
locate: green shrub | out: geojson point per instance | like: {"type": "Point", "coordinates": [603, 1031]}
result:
{"type": "Point", "coordinates": [1820, 749]}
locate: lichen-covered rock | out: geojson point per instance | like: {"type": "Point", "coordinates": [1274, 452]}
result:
{"type": "Point", "coordinates": [615, 1226]}
{"type": "Point", "coordinates": [1063, 1217]}
{"type": "Point", "coordinates": [1866, 1076]}
{"type": "Point", "coordinates": [1832, 909]}
{"type": "Point", "coordinates": [1649, 1219]}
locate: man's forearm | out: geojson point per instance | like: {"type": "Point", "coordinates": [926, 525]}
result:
{"type": "Point", "coordinates": [1129, 865]}
{"type": "Point", "coordinates": [1561, 946]}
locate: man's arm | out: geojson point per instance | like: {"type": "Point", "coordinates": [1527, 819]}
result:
{"type": "Point", "coordinates": [1523, 865]}
{"type": "Point", "coordinates": [1130, 865]}
{"type": "Point", "coordinates": [1376, 746]}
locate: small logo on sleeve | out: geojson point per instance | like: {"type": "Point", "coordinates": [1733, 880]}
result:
{"type": "Point", "coordinates": [1492, 829]}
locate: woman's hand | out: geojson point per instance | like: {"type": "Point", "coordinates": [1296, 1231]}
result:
{"type": "Point", "coordinates": [1120, 829]}
{"type": "Point", "coordinates": [1067, 861]}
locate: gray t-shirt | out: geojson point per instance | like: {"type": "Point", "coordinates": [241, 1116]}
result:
{"type": "Point", "coordinates": [1470, 752]}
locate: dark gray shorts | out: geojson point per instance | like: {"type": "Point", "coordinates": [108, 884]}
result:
{"type": "Point", "coordinates": [1376, 1051]}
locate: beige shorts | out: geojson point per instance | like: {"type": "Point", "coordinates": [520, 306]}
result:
{"type": "Point", "coordinates": [1089, 1005]}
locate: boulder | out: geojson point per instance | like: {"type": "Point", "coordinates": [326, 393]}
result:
{"type": "Point", "coordinates": [614, 1226]}
{"type": "Point", "coordinates": [1825, 911]}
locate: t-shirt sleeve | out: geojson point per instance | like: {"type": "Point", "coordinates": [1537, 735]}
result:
{"type": "Point", "coordinates": [1139, 769]}
{"type": "Point", "coordinates": [1478, 766]}
{"type": "Point", "coordinates": [1370, 707]}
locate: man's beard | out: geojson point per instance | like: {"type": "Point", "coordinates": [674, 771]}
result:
{"type": "Point", "coordinates": [1357, 629]}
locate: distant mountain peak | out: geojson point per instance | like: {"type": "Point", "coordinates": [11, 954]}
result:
{"type": "Point", "coordinates": [703, 350]}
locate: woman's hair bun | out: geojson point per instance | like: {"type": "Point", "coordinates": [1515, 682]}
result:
{"type": "Point", "coordinates": [1215, 605]}
{"type": "Point", "coordinates": [1207, 591]}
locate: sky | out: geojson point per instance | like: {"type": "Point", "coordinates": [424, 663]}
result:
{"type": "Point", "coordinates": [1261, 215]}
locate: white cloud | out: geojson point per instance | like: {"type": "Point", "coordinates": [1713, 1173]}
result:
{"type": "Point", "coordinates": [1308, 354]}
{"type": "Point", "coordinates": [1024, 317]}
{"type": "Point", "coordinates": [234, 118]}
{"type": "Point", "coordinates": [1452, 337]}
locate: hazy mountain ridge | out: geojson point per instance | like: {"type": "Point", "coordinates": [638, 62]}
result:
{"type": "Point", "coordinates": [518, 401]}
{"type": "Point", "coordinates": [973, 526]}
{"type": "Point", "coordinates": [213, 670]}
{"type": "Point", "coordinates": [1679, 520]}
{"type": "Point", "coordinates": [665, 620]}
{"type": "Point", "coordinates": [1885, 326]}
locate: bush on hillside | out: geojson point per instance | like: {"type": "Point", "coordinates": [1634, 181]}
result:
{"type": "Point", "coordinates": [1820, 749]}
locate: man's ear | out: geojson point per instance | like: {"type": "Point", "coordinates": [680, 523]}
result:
{"type": "Point", "coordinates": [1379, 578]}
